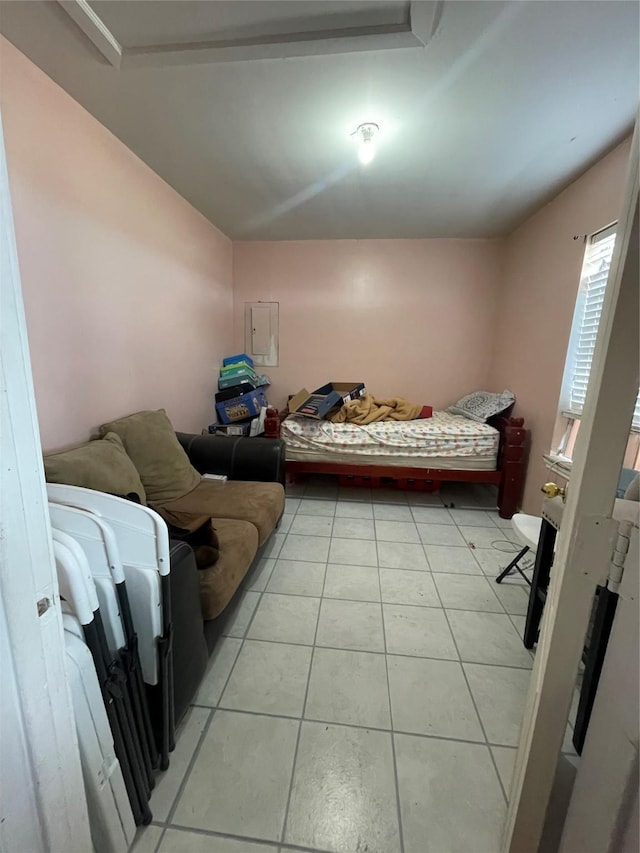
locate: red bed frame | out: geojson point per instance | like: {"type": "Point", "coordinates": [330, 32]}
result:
{"type": "Point", "coordinates": [509, 476]}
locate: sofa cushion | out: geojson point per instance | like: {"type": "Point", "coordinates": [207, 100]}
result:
{"type": "Point", "coordinates": [262, 504]}
{"type": "Point", "coordinates": [151, 442]}
{"type": "Point", "coordinates": [238, 546]}
{"type": "Point", "coordinates": [102, 464]}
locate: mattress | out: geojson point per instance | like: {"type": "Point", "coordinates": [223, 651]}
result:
{"type": "Point", "coordinates": [442, 441]}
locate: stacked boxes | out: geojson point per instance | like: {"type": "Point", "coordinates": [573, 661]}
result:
{"type": "Point", "coordinates": [237, 370]}
{"type": "Point", "coordinates": [240, 393]}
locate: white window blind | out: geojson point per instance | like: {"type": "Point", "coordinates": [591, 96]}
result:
{"type": "Point", "coordinates": [593, 283]}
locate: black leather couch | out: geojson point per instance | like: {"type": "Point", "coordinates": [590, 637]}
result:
{"type": "Point", "coordinates": [252, 459]}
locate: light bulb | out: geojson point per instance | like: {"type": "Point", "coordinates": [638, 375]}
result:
{"type": "Point", "coordinates": [366, 149]}
{"type": "Point", "coordinates": [366, 152]}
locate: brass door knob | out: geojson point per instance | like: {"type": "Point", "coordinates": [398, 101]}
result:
{"type": "Point", "coordinates": [552, 490]}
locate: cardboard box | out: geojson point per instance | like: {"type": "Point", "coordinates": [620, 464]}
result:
{"type": "Point", "coordinates": [324, 400]}
{"type": "Point", "coordinates": [237, 370]}
{"type": "Point", "coordinates": [234, 359]}
{"type": "Point", "coordinates": [231, 429]}
{"type": "Point", "coordinates": [236, 367]}
{"type": "Point", "coordinates": [235, 391]}
{"type": "Point", "coordinates": [241, 408]}
{"type": "Point", "coordinates": [225, 382]}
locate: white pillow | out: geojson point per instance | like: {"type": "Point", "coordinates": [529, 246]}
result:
{"type": "Point", "coordinates": [482, 405]}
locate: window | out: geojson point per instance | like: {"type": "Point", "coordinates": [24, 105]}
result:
{"type": "Point", "coordinates": [584, 329]}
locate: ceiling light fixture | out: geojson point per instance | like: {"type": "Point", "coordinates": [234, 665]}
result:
{"type": "Point", "coordinates": [366, 149]}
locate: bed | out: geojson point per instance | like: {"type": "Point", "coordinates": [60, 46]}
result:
{"type": "Point", "coordinates": [416, 454]}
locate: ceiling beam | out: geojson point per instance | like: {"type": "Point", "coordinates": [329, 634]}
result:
{"type": "Point", "coordinates": [418, 28]}
{"type": "Point", "coordinates": [283, 46]}
{"type": "Point", "coordinates": [95, 29]}
{"type": "Point", "coordinates": [424, 19]}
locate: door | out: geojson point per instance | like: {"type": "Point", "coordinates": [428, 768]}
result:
{"type": "Point", "coordinates": [43, 807]}
{"type": "Point", "coordinates": [585, 541]}
{"type": "Point", "coordinates": [603, 812]}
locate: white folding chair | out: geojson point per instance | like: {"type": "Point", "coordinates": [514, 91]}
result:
{"type": "Point", "coordinates": [143, 545]}
{"type": "Point", "coordinates": [527, 530]}
{"type": "Point", "coordinates": [110, 814]}
{"type": "Point", "coordinates": [78, 589]}
{"type": "Point", "coordinates": [100, 548]}
{"type": "Point", "coordinates": [98, 542]}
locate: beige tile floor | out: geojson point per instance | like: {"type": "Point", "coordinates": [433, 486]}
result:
{"type": "Point", "coordinates": [369, 690]}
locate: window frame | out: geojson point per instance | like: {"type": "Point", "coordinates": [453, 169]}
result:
{"type": "Point", "coordinates": [565, 409]}
{"type": "Point", "coordinates": [567, 420]}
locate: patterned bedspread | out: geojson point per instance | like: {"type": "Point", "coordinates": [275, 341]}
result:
{"type": "Point", "coordinates": [443, 435]}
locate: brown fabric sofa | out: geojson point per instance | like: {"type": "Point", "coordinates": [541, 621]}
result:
{"type": "Point", "coordinates": [140, 456]}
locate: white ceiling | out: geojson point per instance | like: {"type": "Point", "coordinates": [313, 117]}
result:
{"type": "Point", "coordinates": [506, 103]}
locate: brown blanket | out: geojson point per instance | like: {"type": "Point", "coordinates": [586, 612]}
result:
{"type": "Point", "coordinates": [368, 410]}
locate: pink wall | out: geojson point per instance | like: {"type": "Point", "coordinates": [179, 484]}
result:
{"type": "Point", "coordinates": [409, 317]}
{"type": "Point", "coordinates": [542, 265]}
{"type": "Point", "coordinates": [127, 288]}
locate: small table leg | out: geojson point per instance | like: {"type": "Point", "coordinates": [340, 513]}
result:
{"type": "Point", "coordinates": [539, 583]}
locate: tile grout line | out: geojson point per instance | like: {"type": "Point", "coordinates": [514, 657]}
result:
{"type": "Point", "coordinates": [309, 515]}
{"type": "Point", "coordinates": [504, 609]}
{"type": "Point", "coordinates": [190, 766]}
{"type": "Point", "coordinates": [212, 833]}
{"type": "Point", "coordinates": [517, 585]}
{"type": "Point", "coordinates": [475, 707]}
{"type": "Point", "coordinates": [242, 639]}
{"type": "Point", "coordinates": [517, 630]}
{"type": "Point", "coordinates": [466, 548]}
{"type": "Point", "coordinates": [246, 630]}
{"type": "Point", "coordinates": [392, 654]}
{"type": "Point", "coordinates": [160, 839]}
{"type": "Point", "coordinates": [502, 612]}
{"type": "Point", "coordinates": [480, 574]}
{"type": "Point", "coordinates": [509, 615]}
{"type": "Point", "coordinates": [217, 707]}
{"type": "Point", "coordinates": [408, 732]}
{"type": "Point", "coordinates": [304, 707]}
{"type": "Point", "coordinates": [392, 731]}
{"type": "Point", "coordinates": [426, 556]}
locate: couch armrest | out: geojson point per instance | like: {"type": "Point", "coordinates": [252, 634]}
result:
{"type": "Point", "coordinates": [240, 458]}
